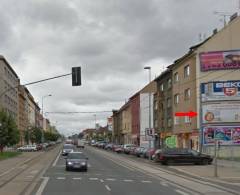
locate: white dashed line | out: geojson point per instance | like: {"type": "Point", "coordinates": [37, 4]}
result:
{"type": "Point", "coordinates": [164, 184]}
{"type": "Point", "coordinates": [93, 178]}
{"type": "Point", "coordinates": [42, 186]}
{"type": "Point", "coordinates": [56, 160]}
{"type": "Point", "coordinates": [61, 178]}
{"type": "Point", "coordinates": [76, 178]}
{"type": "Point", "coordinates": [181, 192]}
{"type": "Point", "coordinates": [128, 180]}
{"type": "Point", "coordinates": [107, 187]}
{"type": "Point", "coordinates": [111, 179]}
{"type": "Point", "coordinates": [144, 181]}
{"type": "Point", "coordinates": [30, 176]}
{"type": "Point", "coordinates": [89, 165]}
{"type": "Point", "coordinates": [101, 180]}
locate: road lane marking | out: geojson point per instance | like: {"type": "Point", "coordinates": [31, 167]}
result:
{"type": "Point", "coordinates": [56, 160]}
{"type": "Point", "coordinates": [93, 178]}
{"type": "Point", "coordinates": [164, 184]}
{"type": "Point", "coordinates": [181, 192]}
{"type": "Point", "coordinates": [145, 181]}
{"type": "Point", "coordinates": [128, 180]}
{"type": "Point", "coordinates": [34, 172]}
{"type": "Point", "coordinates": [110, 179]}
{"type": "Point", "coordinates": [76, 178]}
{"type": "Point", "coordinates": [107, 187]}
{"type": "Point", "coordinates": [42, 186]}
{"type": "Point", "coordinates": [101, 180]}
{"type": "Point", "coordinates": [61, 178]}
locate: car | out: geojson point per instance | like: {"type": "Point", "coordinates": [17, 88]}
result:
{"type": "Point", "coordinates": [67, 148]}
{"type": "Point", "coordinates": [175, 155]}
{"type": "Point", "coordinates": [127, 147]}
{"type": "Point", "coordinates": [76, 160]}
{"type": "Point", "coordinates": [108, 147]}
{"type": "Point", "coordinates": [118, 148]}
{"type": "Point", "coordinates": [28, 148]}
{"type": "Point", "coordinates": [139, 151]}
{"type": "Point", "coordinates": [150, 152]}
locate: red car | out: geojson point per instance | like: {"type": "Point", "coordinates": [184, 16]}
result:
{"type": "Point", "coordinates": [150, 152]}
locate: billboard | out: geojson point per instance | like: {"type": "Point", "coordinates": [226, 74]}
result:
{"type": "Point", "coordinates": [222, 112]}
{"type": "Point", "coordinates": [226, 135]}
{"type": "Point", "coordinates": [220, 60]}
{"type": "Point", "coordinates": [220, 90]}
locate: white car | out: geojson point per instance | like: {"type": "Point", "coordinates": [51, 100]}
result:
{"type": "Point", "coordinates": [28, 148]}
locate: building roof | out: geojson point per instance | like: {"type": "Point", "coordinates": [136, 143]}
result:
{"type": "Point", "coordinates": [9, 66]}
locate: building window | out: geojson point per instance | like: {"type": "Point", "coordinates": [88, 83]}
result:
{"type": "Point", "coordinates": [176, 99]}
{"type": "Point", "coordinates": [155, 105]}
{"type": "Point", "coordinates": [168, 102]}
{"type": "Point", "coordinates": [161, 87]}
{"type": "Point", "coordinates": [176, 78]}
{"type": "Point", "coordinates": [169, 83]}
{"type": "Point", "coordinates": [176, 120]}
{"type": "Point", "coordinates": [187, 94]}
{"type": "Point", "coordinates": [187, 119]}
{"type": "Point", "coordinates": [186, 71]}
{"type": "Point", "coordinates": [169, 122]}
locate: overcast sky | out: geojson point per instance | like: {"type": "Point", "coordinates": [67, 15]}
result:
{"type": "Point", "coordinates": [112, 40]}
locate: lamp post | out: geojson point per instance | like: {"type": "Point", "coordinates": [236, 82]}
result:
{"type": "Point", "coordinates": [149, 108]}
{"type": "Point", "coordinates": [42, 136]}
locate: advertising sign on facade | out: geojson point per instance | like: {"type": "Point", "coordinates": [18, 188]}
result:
{"type": "Point", "coordinates": [220, 90]}
{"type": "Point", "coordinates": [171, 142]}
{"type": "Point", "coordinates": [227, 135]}
{"type": "Point", "coordinates": [224, 112]}
{"type": "Point", "coordinates": [220, 60]}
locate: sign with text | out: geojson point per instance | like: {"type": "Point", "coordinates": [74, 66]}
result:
{"type": "Point", "coordinates": [220, 60]}
{"type": "Point", "coordinates": [221, 112]}
{"type": "Point", "coordinates": [220, 90]}
{"type": "Point", "coordinates": [227, 135]}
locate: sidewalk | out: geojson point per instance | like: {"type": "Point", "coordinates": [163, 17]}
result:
{"type": "Point", "coordinates": [228, 171]}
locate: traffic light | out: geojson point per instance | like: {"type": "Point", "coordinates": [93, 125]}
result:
{"type": "Point", "coordinates": [76, 76]}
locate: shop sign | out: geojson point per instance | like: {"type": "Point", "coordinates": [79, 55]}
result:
{"type": "Point", "coordinates": [221, 112]}
{"type": "Point", "coordinates": [226, 135]}
{"type": "Point", "coordinates": [171, 141]}
{"type": "Point", "coordinates": [220, 60]}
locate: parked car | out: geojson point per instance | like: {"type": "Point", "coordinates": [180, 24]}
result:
{"type": "Point", "coordinates": [176, 155]}
{"type": "Point", "coordinates": [76, 160]}
{"type": "Point", "coordinates": [150, 152]}
{"type": "Point", "coordinates": [118, 148]}
{"type": "Point", "coordinates": [132, 150]}
{"type": "Point", "coordinates": [108, 147]}
{"type": "Point", "coordinates": [143, 153]}
{"type": "Point", "coordinates": [67, 148]}
{"type": "Point", "coordinates": [28, 148]}
{"type": "Point", "coordinates": [139, 151]}
{"type": "Point", "coordinates": [127, 147]}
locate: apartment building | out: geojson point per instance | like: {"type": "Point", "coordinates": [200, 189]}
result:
{"type": "Point", "coordinates": [126, 123]}
{"type": "Point", "coordinates": [22, 113]}
{"type": "Point", "coordinates": [135, 115]}
{"type": "Point", "coordinates": [9, 82]}
{"type": "Point", "coordinates": [184, 100]}
{"type": "Point", "coordinates": [162, 112]}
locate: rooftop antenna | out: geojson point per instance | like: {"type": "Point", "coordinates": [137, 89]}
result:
{"type": "Point", "coordinates": [224, 15]}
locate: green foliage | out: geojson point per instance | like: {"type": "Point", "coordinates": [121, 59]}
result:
{"type": "Point", "coordinates": [9, 134]}
{"type": "Point", "coordinates": [48, 136]}
{"type": "Point", "coordinates": [5, 155]}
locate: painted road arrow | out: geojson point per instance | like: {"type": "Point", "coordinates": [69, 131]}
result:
{"type": "Point", "coordinates": [190, 114]}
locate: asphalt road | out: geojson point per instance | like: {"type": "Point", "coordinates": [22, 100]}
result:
{"type": "Point", "coordinates": [105, 176]}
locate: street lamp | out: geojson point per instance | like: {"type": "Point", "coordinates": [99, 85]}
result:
{"type": "Point", "coordinates": [149, 105]}
{"type": "Point", "coordinates": [42, 136]}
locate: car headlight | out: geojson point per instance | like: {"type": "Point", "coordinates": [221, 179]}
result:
{"type": "Point", "coordinates": [83, 163]}
{"type": "Point", "coordinates": [70, 163]}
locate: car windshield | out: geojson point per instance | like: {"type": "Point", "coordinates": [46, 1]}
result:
{"type": "Point", "coordinates": [68, 147]}
{"type": "Point", "coordinates": [76, 156]}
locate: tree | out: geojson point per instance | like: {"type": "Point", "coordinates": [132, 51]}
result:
{"type": "Point", "coordinates": [9, 134]}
